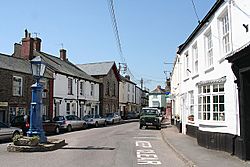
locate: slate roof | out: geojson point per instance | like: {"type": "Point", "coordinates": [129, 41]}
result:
{"type": "Point", "coordinates": [158, 91]}
{"type": "Point", "coordinates": [64, 67]}
{"type": "Point", "coordinates": [94, 69]}
{"type": "Point", "coordinates": [15, 64]}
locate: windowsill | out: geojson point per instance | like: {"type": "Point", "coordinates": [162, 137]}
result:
{"type": "Point", "coordinates": [212, 124]}
{"type": "Point", "coordinates": [191, 122]}
{"type": "Point", "coordinates": [209, 70]}
{"type": "Point", "coordinates": [195, 76]}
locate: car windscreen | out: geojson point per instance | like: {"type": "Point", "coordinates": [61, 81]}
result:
{"type": "Point", "coordinates": [150, 112]}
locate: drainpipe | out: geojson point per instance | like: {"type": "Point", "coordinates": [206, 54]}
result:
{"type": "Point", "coordinates": [233, 145]}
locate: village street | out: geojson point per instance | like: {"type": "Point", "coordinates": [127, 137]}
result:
{"type": "Point", "coordinates": [122, 145]}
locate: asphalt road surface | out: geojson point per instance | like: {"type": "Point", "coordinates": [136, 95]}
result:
{"type": "Point", "coordinates": [122, 145]}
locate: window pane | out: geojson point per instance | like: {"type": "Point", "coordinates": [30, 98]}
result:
{"type": "Point", "coordinates": [208, 89]}
{"type": "Point", "coordinates": [208, 116]}
{"type": "Point", "coordinates": [199, 100]}
{"type": "Point", "coordinates": [208, 99]}
{"type": "Point", "coordinates": [215, 117]}
{"type": "Point", "coordinates": [221, 107]}
{"type": "Point", "coordinates": [204, 89]}
{"type": "Point", "coordinates": [221, 98]}
{"type": "Point", "coordinates": [222, 117]}
{"type": "Point", "coordinates": [221, 88]}
{"type": "Point", "coordinates": [199, 107]}
{"type": "Point", "coordinates": [204, 100]}
{"type": "Point", "coordinates": [215, 107]}
{"type": "Point", "coordinates": [215, 88]}
{"type": "Point", "coordinates": [215, 99]}
{"type": "Point", "coordinates": [208, 107]}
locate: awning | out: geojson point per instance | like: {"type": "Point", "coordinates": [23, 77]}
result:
{"type": "Point", "coordinates": [212, 81]}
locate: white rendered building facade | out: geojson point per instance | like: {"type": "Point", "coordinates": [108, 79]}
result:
{"type": "Point", "coordinates": [204, 94]}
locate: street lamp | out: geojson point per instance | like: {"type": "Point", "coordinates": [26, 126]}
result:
{"type": "Point", "coordinates": [38, 67]}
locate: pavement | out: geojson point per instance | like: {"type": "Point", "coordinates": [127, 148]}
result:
{"type": "Point", "coordinates": [192, 154]}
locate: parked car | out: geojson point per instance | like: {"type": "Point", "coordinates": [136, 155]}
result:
{"type": "Point", "coordinates": [95, 120]}
{"type": "Point", "coordinates": [132, 115]}
{"type": "Point", "coordinates": [112, 118]}
{"type": "Point", "coordinates": [23, 122]}
{"type": "Point", "coordinates": [150, 117]}
{"type": "Point", "coordinates": [70, 122]}
{"type": "Point", "coordinates": [7, 132]}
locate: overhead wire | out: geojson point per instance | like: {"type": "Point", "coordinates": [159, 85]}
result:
{"type": "Point", "coordinates": [115, 28]}
{"type": "Point", "coordinates": [195, 11]}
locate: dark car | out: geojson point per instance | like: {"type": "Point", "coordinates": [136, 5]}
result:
{"type": "Point", "coordinates": [132, 115]}
{"type": "Point", "coordinates": [23, 122]}
{"type": "Point", "coordinates": [150, 117]}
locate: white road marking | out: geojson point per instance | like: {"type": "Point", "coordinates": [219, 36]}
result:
{"type": "Point", "coordinates": [146, 137]}
{"type": "Point", "coordinates": [146, 156]}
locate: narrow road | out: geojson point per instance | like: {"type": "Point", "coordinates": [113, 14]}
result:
{"type": "Point", "coordinates": [114, 146]}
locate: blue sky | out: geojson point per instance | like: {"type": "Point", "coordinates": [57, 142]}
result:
{"type": "Point", "coordinates": [150, 30]}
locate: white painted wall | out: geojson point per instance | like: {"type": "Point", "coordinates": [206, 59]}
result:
{"type": "Point", "coordinates": [62, 97]}
{"type": "Point", "coordinates": [181, 84]}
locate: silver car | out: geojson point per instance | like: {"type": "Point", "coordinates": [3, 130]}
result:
{"type": "Point", "coordinates": [95, 120]}
{"type": "Point", "coordinates": [7, 132]}
{"type": "Point", "coordinates": [70, 122]}
{"type": "Point", "coordinates": [113, 118]}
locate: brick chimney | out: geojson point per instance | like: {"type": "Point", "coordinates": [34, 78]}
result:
{"type": "Point", "coordinates": [37, 44]}
{"type": "Point", "coordinates": [63, 54]}
{"type": "Point", "coordinates": [27, 46]}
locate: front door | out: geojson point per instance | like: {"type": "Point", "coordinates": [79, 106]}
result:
{"type": "Point", "coordinates": [246, 109]}
{"type": "Point", "coordinates": [2, 115]}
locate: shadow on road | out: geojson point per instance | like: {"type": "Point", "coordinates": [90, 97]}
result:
{"type": "Point", "coordinates": [88, 148]}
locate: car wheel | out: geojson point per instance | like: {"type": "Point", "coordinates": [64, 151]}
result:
{"type": "Point", "coordinates": [141, 126]}
{"type": "Point", "coordinates": [158, 127]}
{"type": "Point", "coordinates": [84, 126]}
{"type": "Point", "coordinates": [69, 128]}
{"type": "Point", "coordinates": [15, 134]}
{"type": "Point", "coordinates": [57, 130]}
{"type": "Point", "coordinates": [96, 125]}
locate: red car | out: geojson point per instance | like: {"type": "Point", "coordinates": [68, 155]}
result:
{"type": "Point", "coordinates": [23, 122]}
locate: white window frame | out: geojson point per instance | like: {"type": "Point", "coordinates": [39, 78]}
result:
{"type": "Point", "coordinates": [70, 86]}
{"type": "Point", "coordinates": [195, 68]}
{"type": "Point", "coordinates": [17, 86]}
{"type": "Point", "coordinates": [209, 48]}
{"type": "Point", "coordinates": [208, 108]}
{"type": "Point", "coordinates": [191, 102]}
{"type": "Point", "coordinates": [92, 89]}
{"type": "Point", "coordinates": [81, 88]}
{"type": "Point", "coordinates": [224, 25]}
{"type": "Point", "coordinates": [187, 69]}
